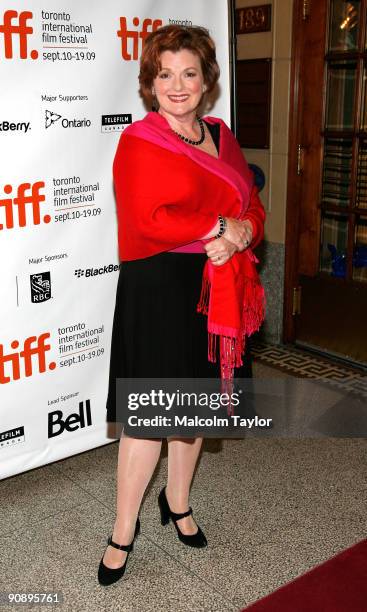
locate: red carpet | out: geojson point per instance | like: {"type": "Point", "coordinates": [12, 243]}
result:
{"type": "Point", "coordinates": [338, 585]}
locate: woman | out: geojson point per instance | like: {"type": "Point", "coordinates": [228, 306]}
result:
{"type": "Point", "coordinates": [187, 213]}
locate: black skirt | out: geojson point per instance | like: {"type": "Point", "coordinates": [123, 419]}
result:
{"type": "Point", "coordinates": [157, 332]}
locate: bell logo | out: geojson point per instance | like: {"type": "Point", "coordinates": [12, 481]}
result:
{"type": "Point", "coordinates": [18, 205]}
{"type": "Point", "coordinates": [76, 420]}
{"type": "Point", "coordinates": [15, 24]}
{"type": "Point", "coordinates": [149, 25]}
{"type": "Point", "coordinates": [10, 363]}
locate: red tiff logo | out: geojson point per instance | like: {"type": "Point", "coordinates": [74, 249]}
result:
{"type": "Point", "coordinates": [33, 347]}
{"type": "Point", "coordinates": [149, 25]}
{"type": "Point", "coordinates": [15, 25]}
{"type": "Point", "coordinates": [28, 198]}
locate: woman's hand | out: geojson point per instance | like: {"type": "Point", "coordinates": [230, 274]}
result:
{"type": "Point", "coordinates": [220, 250]}
{"type": "Point", "coordinates": [239, 233]}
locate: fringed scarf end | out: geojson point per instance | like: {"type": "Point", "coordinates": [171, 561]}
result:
{"type": "Point", "coordinates": [232, 340]}
{"type": "Point", "coordinates": [254, 303]}
{"type": "Point", "coordinates": [203, 305]}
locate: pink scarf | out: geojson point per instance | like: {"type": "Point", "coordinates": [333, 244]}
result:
{"type": "Point", "coordinates": [232, 295]}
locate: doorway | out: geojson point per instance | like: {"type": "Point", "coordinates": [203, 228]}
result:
{"type": "Point", "coordinates": [325, 305]}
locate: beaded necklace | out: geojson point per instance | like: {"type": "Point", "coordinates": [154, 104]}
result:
{"type": "Point", "coordinates": [194, 142]}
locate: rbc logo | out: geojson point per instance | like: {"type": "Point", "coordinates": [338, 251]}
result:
{"type": "Point", "coordinates": [19, 204]}
{"type": "Point", "coordinates": [149, 25]}
{"type": "Point", "coordinates": [32, 346]}
{"type": "Point", "coordinates": [15, 25]}
{"type": "Point", "coordinates": [40, 287]}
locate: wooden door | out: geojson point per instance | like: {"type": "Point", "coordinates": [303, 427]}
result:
{"type": "Point", "coordinates": [326, 234]}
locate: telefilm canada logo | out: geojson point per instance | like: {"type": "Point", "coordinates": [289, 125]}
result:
{"type": "Point", "coordinates": [132, 40]}
{"type": "Point", "coordinates": [57, 423]}
{"type": "Point", "coordinates": [40, 287]}
{"type": "Point", "coordinates": [26, 359]}
{"type": "Point", "coordinates": [51, 118]}
{"type": "Point", "coordinates": [12, 126]}
{"type": "Point", "coordinates": [11, 437]}
{"type": "Point", "coordinates": [22, 206]}
{"type": "Point", "coordinates": [115, 123]}
{"type": "Point", "coordinates": [15, 31]}
{"type": "Point", "coordinates": [88, 272]}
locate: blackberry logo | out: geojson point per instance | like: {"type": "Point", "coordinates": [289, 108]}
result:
{"type": "Point", "coordinates": [40, 287]}
{"type": "Point", "coordinates": [96, 271]}
{"type": "Point", "coordinates": [9, 126]}
{"type": "Point", "coordinates": [51, 118]}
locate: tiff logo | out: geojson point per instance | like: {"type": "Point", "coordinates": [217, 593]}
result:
{"type": "Point", "coordinates": [15, 24]}
{"type": "Point", "coordinates": [10, 363]}
{"type": "Point", "coordinates": [149, 25]}
{"type": "Point", "coordinates": [20, 203]}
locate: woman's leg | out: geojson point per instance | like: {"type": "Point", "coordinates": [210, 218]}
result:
{"type": "Point", "coordinates": [137, 460]}
{"type": "Point", "coordinates": [182, 458]}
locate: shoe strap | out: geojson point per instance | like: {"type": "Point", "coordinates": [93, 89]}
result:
{"type": "Point", "coordinates": [126, 547]}
{"type": "Point", "coordinates": [179, 515]}
{"type": "Point", "coordinates": [137, 527]}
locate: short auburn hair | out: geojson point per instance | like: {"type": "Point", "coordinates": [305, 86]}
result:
{"type": "Point", "coordinates": [174, 38]}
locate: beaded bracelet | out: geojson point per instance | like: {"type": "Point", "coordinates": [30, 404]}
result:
{"type": "Point", "coordinates": [222, 226]}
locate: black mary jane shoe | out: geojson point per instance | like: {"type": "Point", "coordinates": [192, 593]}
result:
{"type": "Point", "coordinates": [197, 540]}
{"type": "Point", "coordinates": [107, 575]}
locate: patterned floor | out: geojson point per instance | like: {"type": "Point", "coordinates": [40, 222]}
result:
{"type": "Point", "coordinates": [300, 363]}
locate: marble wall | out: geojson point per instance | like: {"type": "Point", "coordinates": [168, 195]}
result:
{"type": "Point", "coordinates": [271, 270]}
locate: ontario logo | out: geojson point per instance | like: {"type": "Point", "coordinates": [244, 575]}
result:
{"type": "Point", "coordinates": [24, 208]}
{"type": "Point", "coordinates": [40, 287]}
{"type": "Point", "coordinates": [51, 118]}
{"type": "Point", "coordinates": [15, 28]}
{"type": "Point", "coordinates": [135, 37]}
{"type": "Point", "coordinates": [23, 360]}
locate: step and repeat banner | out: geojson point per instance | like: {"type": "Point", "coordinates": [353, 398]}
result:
{"type": "Point", "coordinates": [68, 87]}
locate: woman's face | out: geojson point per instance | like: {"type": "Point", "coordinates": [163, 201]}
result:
{"type": "Point", "coordinates": [179, 84]}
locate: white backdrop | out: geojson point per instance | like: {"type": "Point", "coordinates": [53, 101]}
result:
{"type": "Point", "coordinates": [68, 85]}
